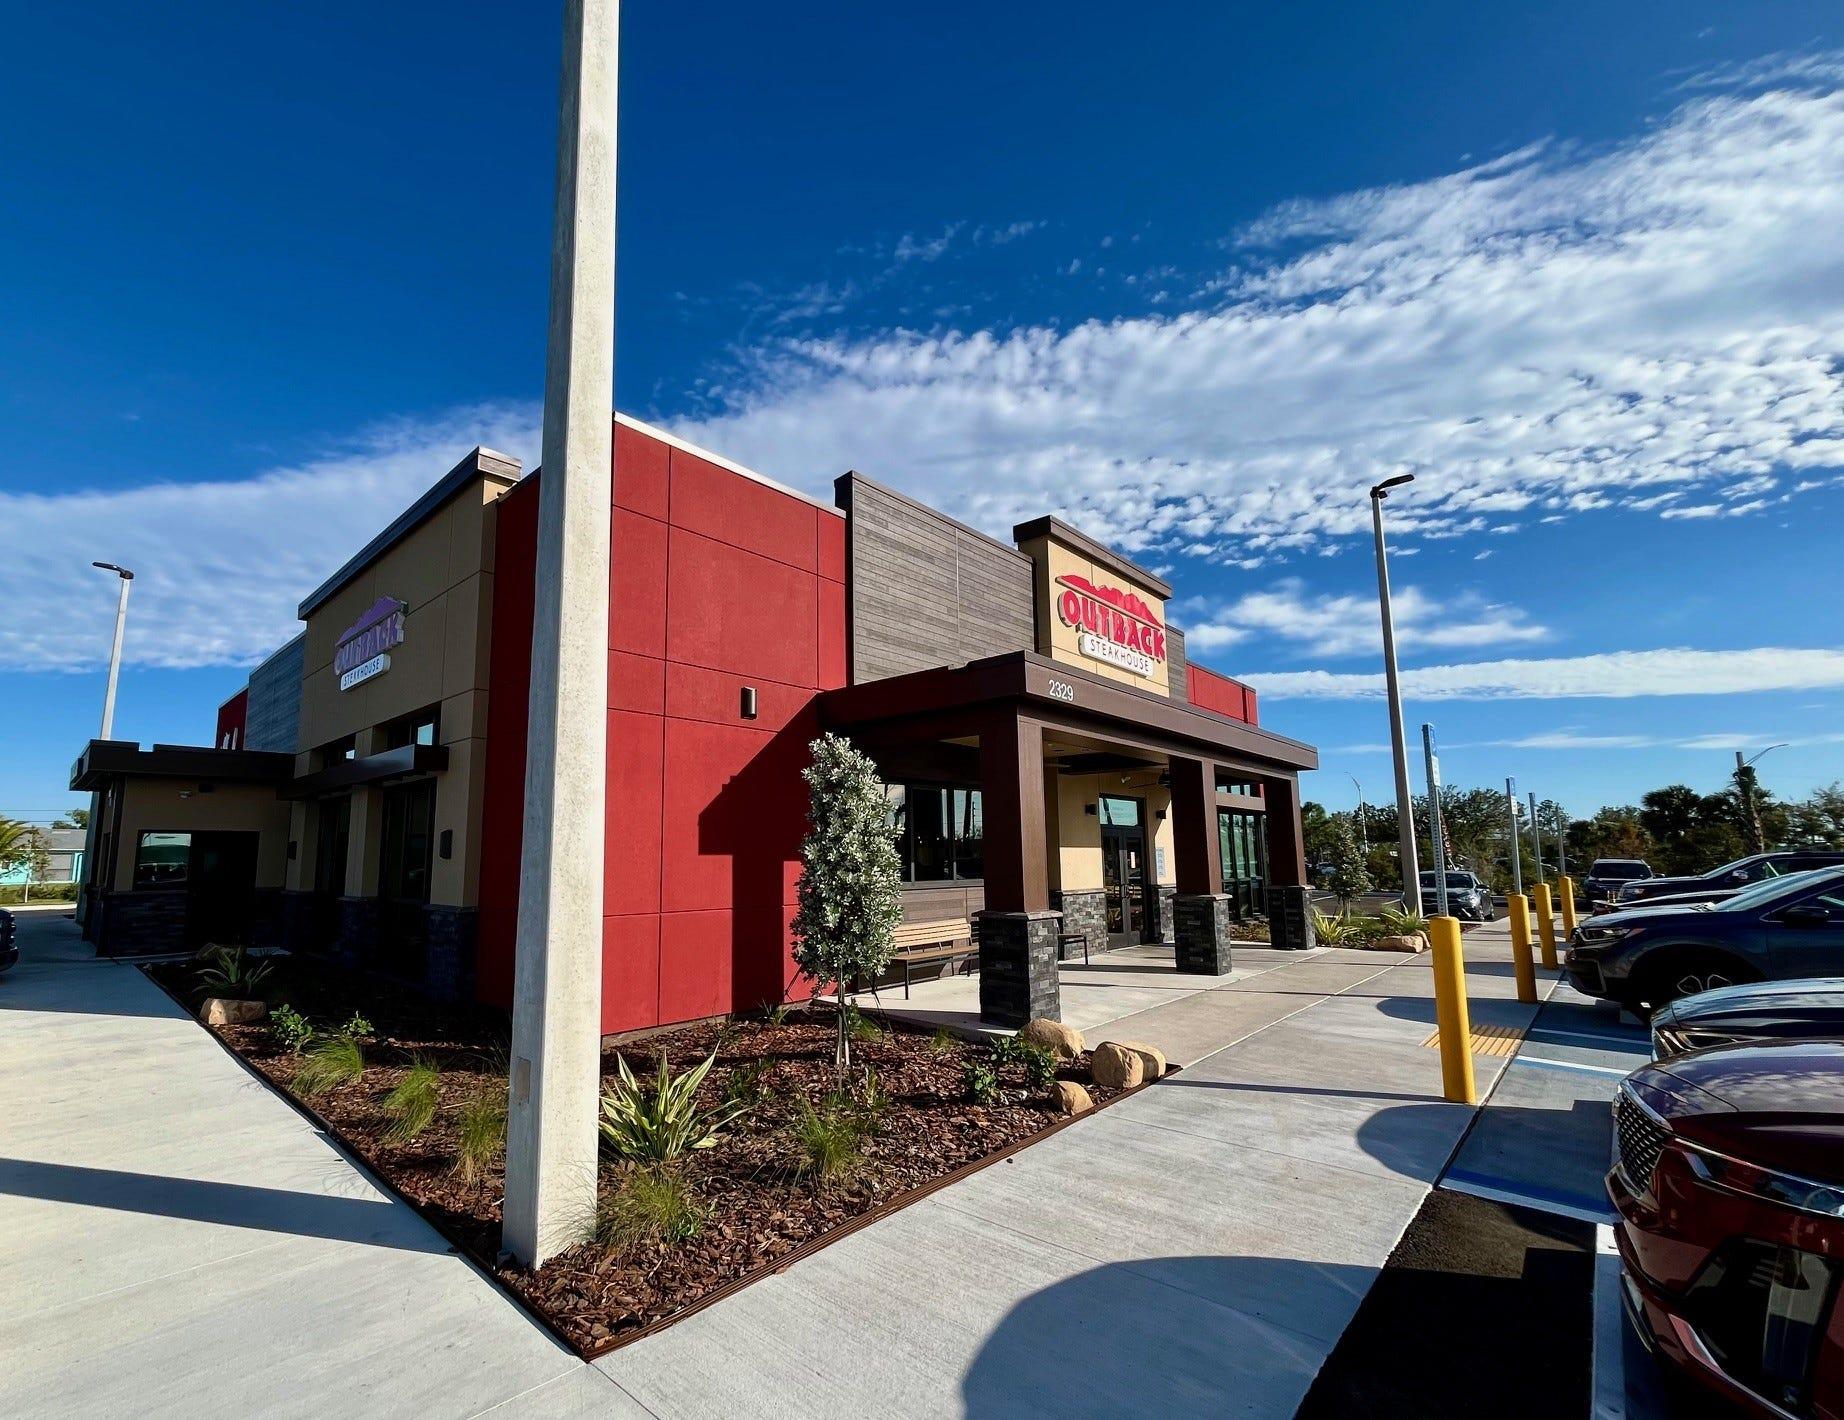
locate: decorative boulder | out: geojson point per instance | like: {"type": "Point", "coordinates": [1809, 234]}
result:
{"type": "Point", "coordinates": [1115, 1067]}
{"type": "Point", "coordinates": [1070, 1098]}
{"type": "Point", "coordinates": [1152, 1059]}
{"type": "Point", "coordinates": [1413, 942]}
{"type": "Point", "coordinates": [1064, 1042]}
{"type": "Point", "coordinates": [221, 1012]}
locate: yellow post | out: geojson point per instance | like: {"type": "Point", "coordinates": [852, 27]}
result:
{"type": "Point", "coordinates": [1546, 924]}
{"type": "Point", "coordinates": [1517, 908]}
{"type": "Point", "coordinates": [1450, 1011]}
{"type": "Point", "coordinates": [1565, 889]}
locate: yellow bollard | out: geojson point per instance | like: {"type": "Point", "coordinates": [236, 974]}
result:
{"type": "Point", "coordinates": [1517, 908]}
{"type": "Point", "coordinates": [1546, 924]}
{"type": "Point", "coordinates": [1565, 889]}
{"type": "Point", "coordinates": [1450, 1011]}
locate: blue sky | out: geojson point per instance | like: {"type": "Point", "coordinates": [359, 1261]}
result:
{"type": "Point", "coordinates": [1194, 282]}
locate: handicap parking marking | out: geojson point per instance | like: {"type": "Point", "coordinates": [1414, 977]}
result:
{"type": "Point", "coordinates": [1630, 1041]}
{"type": "Point", "coordinates": [1545, 1063]}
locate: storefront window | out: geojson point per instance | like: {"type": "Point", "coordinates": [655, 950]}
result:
{"type": "Point", "coordinates": [1243, 840]}
{"type": "Point", "coordinates": [939, 832]}
{"type": "Point", "coordinates": [161, 859]}
{"type": "Point", "coordinates": [418, 729]}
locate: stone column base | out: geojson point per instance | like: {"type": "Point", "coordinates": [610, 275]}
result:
{"type": "Point", "coordinates": [1201, 933]}
{"type": "Point", "coordinates": [1086, 911]}
{"type": "Point", "coordinates": [356, 946]}
{"type": "Point", "coordinates": [1018, 980]}
{"type": "Point", "coordinates": [1290, 919]}
{"type": "Point", "coordinates": [453, 934]}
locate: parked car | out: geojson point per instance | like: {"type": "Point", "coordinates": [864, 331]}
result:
{"type": "Point", "coordinates": [9, 942]}
{"type": "Point", "coordinates": [1750, 1015]}
{"type": "Point", "coordinates": [1605, 878]}
{"type": "Point", "coordinates": [1467, 897]}
{"type": "Point", "coordinates": [1756, 867]}
{"type": "Point", "coordinates": [1647, 957]}
{"type": "Point", "coordinates": [1729, 1184]}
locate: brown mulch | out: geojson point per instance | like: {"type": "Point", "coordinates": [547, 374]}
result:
{"type": "Point", "coordinates": [756, 1206]}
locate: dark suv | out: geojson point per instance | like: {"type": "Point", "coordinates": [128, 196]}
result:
{"type": "Point", "coordinates": [1778, 930]}
{"type": "Point", "coordinates": [1607, 877]}
{"type": "Point", "coordinates": [1756, 867]}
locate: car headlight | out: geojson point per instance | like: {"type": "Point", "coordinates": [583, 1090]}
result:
{"type": "Point", "coordinates": [1669, 1039]}
{"type": "Point", "coordinates": [1789, 1190]}
{"type": "Point", "coordinates": [1590, 938]}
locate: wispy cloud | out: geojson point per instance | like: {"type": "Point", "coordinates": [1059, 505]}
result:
{"type": "Point", "coordinates": [219, 567]}
{"type": "Point", "coordinates": [1615, 675]}
{"type": "Point", "coordinates": [1558, 332]}
{"type": "Point", "coordinates": [1333, 626]}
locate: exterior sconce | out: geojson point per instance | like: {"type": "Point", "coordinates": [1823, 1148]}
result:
{"type": "Point", "coordinates": [447, 848]}
{"type": "Point", "coordinates": [749, 702]}
{"type": "Point", "coordinates": [1092, 810]}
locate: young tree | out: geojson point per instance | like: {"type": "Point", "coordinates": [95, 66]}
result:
{"type": "Point", "coordinates": [1350, 875]}
{"type": "Point", "coordinates": [23, 847]}
{"type": "Point", "coordinates": [76, 818]}
{"type": "Point", "coordinates": [850, 897]}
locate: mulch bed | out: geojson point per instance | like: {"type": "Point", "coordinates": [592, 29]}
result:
{"type": "Point", "coordinates": [757, 1208]}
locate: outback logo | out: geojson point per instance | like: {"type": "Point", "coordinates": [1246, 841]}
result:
{"type": "Point", "coordinates": [1114, 625]}
{"type": "Point", "coordinates": [361, 651]}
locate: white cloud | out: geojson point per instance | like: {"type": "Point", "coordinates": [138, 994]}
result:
{"type": "Point", "coordinates": [1334, 626]}
{"type": "Point", "coordinates": [1613, 675]}
{"type": "Point", "coordinates": [219, 567]}
{"type": "Point", "coordinates": [1555, 330]}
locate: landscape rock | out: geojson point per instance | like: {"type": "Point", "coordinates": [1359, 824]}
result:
{"type": "Point", "coordinates": [1152, 1059]}
{"type": "Point", "coordinates": [1115, 1067]}
{"type": "Point", "coordinates": [218, 1011]}
{"type": "Point", "coordinates": [1414, 942]}
{"type": "Point", "coordinates": [1065, 1042]}
{"type": "Point", "coordinates": [1071, 1098]}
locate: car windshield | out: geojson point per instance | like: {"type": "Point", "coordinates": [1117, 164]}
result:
{"type": "Point", "coordinates": [1615, 868]}
{"type": "Point", "coordinates": [1456, 882]}
{"type": "Point", "coordinates": [1769, 890]}
{"type": "Point", "coordinates": [1739, 865]}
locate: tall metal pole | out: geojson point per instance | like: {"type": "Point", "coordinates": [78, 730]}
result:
{"type": "Point", "coordinates": [557, 986]}
{"type": "Point", "coordinates": [1405, 804]}
{"type": "Point", "coordinates": [1436, 842]}
{"type": "Point", "coordinates": [1517, 839]}
{"type": "Point", "coordinates": [124, 579]}
{"type": "Point", "coordinates": [1363, 830]}
{"type": "Point", "coordinates": [1536, 836]}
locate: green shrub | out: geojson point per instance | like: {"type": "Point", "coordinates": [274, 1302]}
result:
{"type": "Point", "coordinates": [482, 1125]}
{"type": "Point", "coordinates": [1401, 922]}
{"type": "Point", "coordinates": [338, 1060]}
{"type": "Point", "coordinates": [412, 1102]}
{"type": "Point", "coordinates": [829, 1139]}
{"type": "Point", "coordinates": [650, 1206]}
{"type": "Point", "coordinates": [290, 1029]}
{"type": "Point", "coordinates": [231, 973]}
{"type": "Point", "coordinates": [980, 1082]}
{"type": "Point", "coordinates": [1009, 1050]}
{"type": "Point", "coordinates": [661, 1121]}
{"type": "Point", "coordinates": [1039, 1066]}
{"type": "Point", "coordinates": [1333, 931]}
{"type": "Point", "coordinates": [358, 1027]}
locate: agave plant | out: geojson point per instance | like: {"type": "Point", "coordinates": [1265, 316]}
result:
{"type": "Point", "coordinates": [229, 972]}
{"type": "Point", "coordinates": [1332, 931]}
{"type": "Point", "coordinates": [660, 1121]}
{"type": "Point", "coordinates": [1401, 922]}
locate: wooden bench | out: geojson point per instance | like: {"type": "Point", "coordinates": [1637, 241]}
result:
{"type": "Point", "coordinates": [941, 940]}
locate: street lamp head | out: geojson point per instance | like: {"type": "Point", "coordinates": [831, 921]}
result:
{"type": "Point", "coordinates": [1382, 489]}
{"type": "Point", "coordinates": [121, 572]}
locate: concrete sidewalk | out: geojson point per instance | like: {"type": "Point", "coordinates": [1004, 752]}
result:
{"type": "Point", "coordinates": [179, 1241]}
{"type": "Point", "coordinates": [1196, 1249]}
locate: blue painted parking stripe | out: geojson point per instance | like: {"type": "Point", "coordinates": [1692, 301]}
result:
{"type": "Point", "coordinates": [1527, 1195]}
{"type": "Point", "coordinates": [1612, 1042]}
{"type": "Point", "coordinates": [1545, 1064]}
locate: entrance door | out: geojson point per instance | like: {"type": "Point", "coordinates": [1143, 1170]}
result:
{"type": "Point", "coordinates": [330, 867]}
{"type": "Point", "coordinates": [1123, 870]}
{"type": "Point", "coordinates": [403, 876]}
{"type": "Point", "coordinates": [220, 888]}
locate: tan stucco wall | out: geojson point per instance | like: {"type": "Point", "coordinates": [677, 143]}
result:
{"type": "Point", "coordinates": [1078, 833]}
{"type": "Point", "coordinates": [177, 806]}
{"type": "Point", "coordinates": [443, 573]}
{"type": "Point", "coordinates": [1060, 642]}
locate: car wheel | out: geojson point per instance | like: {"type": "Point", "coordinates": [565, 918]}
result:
{"type": "Point", "coordinates": [1685, 974]}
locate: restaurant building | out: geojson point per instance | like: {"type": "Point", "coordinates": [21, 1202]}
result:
{"type": "Point", "coordinates": [1059, 772]}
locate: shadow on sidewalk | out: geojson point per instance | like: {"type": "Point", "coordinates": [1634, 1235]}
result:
{"type": "Point", "coordinates": [377, 1222]}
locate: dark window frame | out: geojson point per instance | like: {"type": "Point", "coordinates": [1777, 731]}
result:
{"type": "Point", "coordinates": [951, 855]}
{"type": "Point", "coordinates": [140, 843]}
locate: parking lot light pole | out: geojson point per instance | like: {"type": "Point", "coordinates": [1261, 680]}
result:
{"type": "Point", "coordinates": [1363, 831]}
{"type": "Point", "coordinates": [1517, 840]}
{"type": "Point", "coordinates": [1536, 836]}
{"type": "Point", "coordinates": [551, 1140]}
{"type": "Point", "coordinates": [1405, 805]}
{"type": "Point", "coordinates": [125, 579]}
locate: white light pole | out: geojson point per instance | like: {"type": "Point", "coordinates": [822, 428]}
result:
{"type": "Point", "coordinates": [1363, 833]}
{"type": "Point", "coordinates": [1517, 839]}
{"type": "Point", "coordinates": [1536, 836]}
{"type": "Point", "coordinates": [557, 983]}
{"type": "Point", "coordinates": [1745, 786]}
{"type": "Point", "coordinates": [125, 579]}
{"type": "Point", "coordinates": [1437, 844]}
{"type": "Point", "coordinates": [1405, 805]}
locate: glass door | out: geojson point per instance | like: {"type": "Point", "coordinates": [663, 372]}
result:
{"type": "Point", "coordinates": [1242, 839]}
{"type": "Point", "coordinates": [408, 839]}
{"type": "Point", "coordinates": [1124, 878]}
{"type": "Point", "coordinates": [334, 829]}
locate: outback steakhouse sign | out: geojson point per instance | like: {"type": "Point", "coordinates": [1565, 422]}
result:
{"type": "Point", "coordinates": [1113, 624]}
{"type": "Point", "coordinates": [363, 649]}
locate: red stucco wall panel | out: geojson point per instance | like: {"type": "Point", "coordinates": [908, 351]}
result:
{"type": "Point", "coordinates": [637, 584]}
{"type": "Point", "coordinates": [1211, 691]}
{"type": "Point", "coordinates": [739, 611]}
{"type": "Point", "coordinates": [630, 972]}
{"type": "Point", "coordinates": [642, 467]}
{"type": "Point", "coordinates": [729, 508]}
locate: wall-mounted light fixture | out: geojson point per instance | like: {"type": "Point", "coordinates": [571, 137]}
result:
{"type": "Point", "coordinates": [447, 849]}
{"type": "Point", "coordinates": [294, 849]}
{"type": "Point", "coordinates": [1091, 810]}
{"type": "Point", "coordinates": [749, 702]}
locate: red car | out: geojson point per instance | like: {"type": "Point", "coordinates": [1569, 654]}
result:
{"type": "Point", "coordinates": [1729, 1182]}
